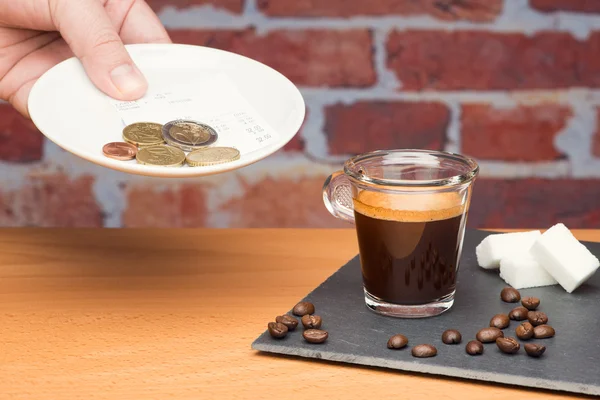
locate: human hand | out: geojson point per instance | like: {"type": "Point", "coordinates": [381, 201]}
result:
{"type": "Point", "coordinates": [35, 35]}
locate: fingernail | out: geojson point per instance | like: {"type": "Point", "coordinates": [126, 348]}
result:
{"type": "Point", "coordinates": [129, 80]}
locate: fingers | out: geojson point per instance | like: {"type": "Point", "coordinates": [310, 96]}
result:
{"type": "Point", "coordinates": [139, 24]}
{"type": "Point", "coordinates": [17, 83]}
{"type": "Point", "coordinates": [89, 32]}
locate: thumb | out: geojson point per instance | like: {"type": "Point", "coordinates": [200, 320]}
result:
{"type": "Point", "coordinates": [88, 31]}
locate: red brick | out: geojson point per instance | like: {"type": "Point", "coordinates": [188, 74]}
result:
{"type": "Point", "coordinates": [51, 200]}
{"type": "Point", "coordinates": [181, 207]}
{"type": "Point", "coordinates": [473, 10]}
{"type": "Point", "coordinates": [295, 145]}
{"type": "Point", "coordinates": [492, 61]}
{"type": "Point", "coordinates": [234, 6]}
{"type": "Point", "coordinates": [586, 6]}
{"type": "Point", "coordinates": [515, 134]}
{"type": "Point", "coordinates": [20, 141]}
{"type": "Point", "coordinates": [297, 142]}
{"type": "Point", "coordinates": [535, 203]}
{"type": "Point", "coordinates": [366, 126]}
{"type": "Point", "coordinates": [282, 203]}
{"type": "Point", "coordinates": [307, 57]}
{"type": "Point", "coordinates": [596, 139]}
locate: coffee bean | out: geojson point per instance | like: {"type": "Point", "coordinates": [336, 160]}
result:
{"type": "Point", "coordinates": [315, 335]}
{"type": "Point", "coordinates": [534, 350]}
{"type": "Point", "coordinates": [474, 347]}
{"type": "Point", "coordinates": [508, 345]}
{"type": "Point", "coordinates": [277, 330]}
{"type": "Point", "coordinates": [451, 336]}
{"type": "Point", "coordinates": [311, 321]}
{"type": "Point", "coordinates": [500, 321]}
{"type": "Point", "coordinates": [537, 318]}
{"type": "Point", "coordinates": [397, 342]}
{"type": "Point", "coordinates": [424, 351]}
{"type": "Point", "coordinates": [303, 308]}
{"type": "Point", "coordinates": [530, 303]}
{"type": "Point", "coordinates": [518, 314]}
{"type": "Point", "coordinates": [543, 332]}
{"type": "Point", "coordinates": [510, 295]}
{"type": "Point", "coordinates": [288, 321]}
{"type": "Point", "coordinates": [489, 335]}
{"type": "Point", "coordinates": [524, 331]}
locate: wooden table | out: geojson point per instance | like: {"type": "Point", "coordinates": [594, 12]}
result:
{"type": "Point", "coordinates": [170, 314]}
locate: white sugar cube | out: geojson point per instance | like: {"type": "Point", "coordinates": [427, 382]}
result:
{"type": "Point", "coordinates": [522, 271]}
{"type": "Point", "coordinates": [496, 247]}
{"type": "Point", "coordinates": [567, 260]}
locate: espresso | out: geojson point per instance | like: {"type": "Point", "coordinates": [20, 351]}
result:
{"type": "Point", "coordinates": [409, 258]}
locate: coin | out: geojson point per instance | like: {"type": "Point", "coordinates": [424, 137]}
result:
{"type": "Point", "coordinates": [162, 155]}
{"type": "Point", "coordinates": [188, 135]}
{"type": "Point", "coordinates": [120, 151]}
{"type": "Point", "coordinates": [143, 134]}
{"type": "Point", "coordinates": [212, 156]}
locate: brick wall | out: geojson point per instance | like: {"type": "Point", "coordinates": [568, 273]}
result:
{"type": "Point", "coordinates": [513, 83]}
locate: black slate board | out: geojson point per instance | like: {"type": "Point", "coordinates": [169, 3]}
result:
{"type": "Point", "coordinates": [359, 336]}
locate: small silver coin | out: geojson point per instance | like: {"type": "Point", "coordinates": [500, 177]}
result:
{"type": "Point", "coordinates": [189, 135]}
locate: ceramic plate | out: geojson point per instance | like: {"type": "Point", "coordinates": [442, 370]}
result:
{"type": "Point", "coordinates": [252, 106]}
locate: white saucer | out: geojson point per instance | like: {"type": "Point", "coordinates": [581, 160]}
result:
{"type": "Point", "coordinates": [68, 109]}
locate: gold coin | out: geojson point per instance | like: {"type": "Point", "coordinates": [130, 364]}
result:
{"type": "Point", "coordinates": [190, 133]}
{"type": "Point", "coordinates": [143, 134]}
{"type": "Point", "coordinates": [164, 156]}
{"type": "Point", "coordinates": [212, 156]}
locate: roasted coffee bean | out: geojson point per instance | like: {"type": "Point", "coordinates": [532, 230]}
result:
{"type": "Point", "coordinates": [474, 347]}
{"type": "Point", "coordinates": [530, 303]}
{"type": "Point", "coordinates": [288, 321]}
{"type": "Point", "coordinates": [543, 332]}
{"type": "Point", "coordinates": [537, 318]}
{"type": "Point", "coordinates": [510, 295]}
{"type": "Point", "coordinates": [508, 345]}
{"type": "Point", "coordinates": [303, 308]}
{"type": "Point", "coordinates": [315, 335]}
{"type": "Point", "coordinates": [311, 321]}
{"type": "Point", "coordinates": [534, 350]}
{"type": "Point", "coordinates": [518, 314]}
{"type": "Point", "coordinates": [397, 342]}
{"type": "Point", "coordinates": [424, 351]}
{"type": "Point", "coordinates": [489, 335]}
{"type": "Point", "coordinates": [277, 330]}
{"type": "Point", "coordinates": [500, 321]}
{"type": "Point", "coordinates": [451, 336]}
{"type": "Point", "coordinates": [524, 331]}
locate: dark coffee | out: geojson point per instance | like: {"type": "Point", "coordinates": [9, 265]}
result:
{"type": "Point", "coordinates": [534, 350]}
{"type": "Point", "coordinates": [474, 348]}
{"type": "Point", "coordinates": [510, 295]}
{"type": "Point", "coordinates": [488, 335]}
{"type": "Point", "coordinates": [397, 342]}
{"type": "Point", "coordinates": [524, 331]}
{"type": "Point", "coordinates": [500, 321]}
{"type": "Point", "coordinates": [518, 314]}
{"type": "Point", "coordinates": [409, 257]}
{"type": "Point", "coordinates": [424, 351]}
{"type": "Point", "coordinates": [537, 318]}
{"type": "Point", "coordinates": [508, 345]}
{"type": "Point", "coordinates": [543, 332]}
{"type": "Point", "coordinates": [531, 303]}
{"type": "Point", "coordinates": [451, 336]}
{"type": "Point", "coordinates": [315, 335]}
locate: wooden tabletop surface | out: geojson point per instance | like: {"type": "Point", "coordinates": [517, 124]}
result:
{"type": "Point", "coordinates": [171, 314]}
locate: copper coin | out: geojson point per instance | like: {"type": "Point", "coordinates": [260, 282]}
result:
{"type": "Point", "coordinates": [120, 151]}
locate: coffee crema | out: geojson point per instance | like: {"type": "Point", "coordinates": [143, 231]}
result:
{"type": "Point", "coordinates": [409, 244]}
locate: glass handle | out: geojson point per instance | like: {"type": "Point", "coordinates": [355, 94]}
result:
{"type": "Point", "coordinates": [337, 196]}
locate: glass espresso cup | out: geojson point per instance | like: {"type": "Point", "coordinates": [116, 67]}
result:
{"type": "Point", "coordinates": [410, 210]}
